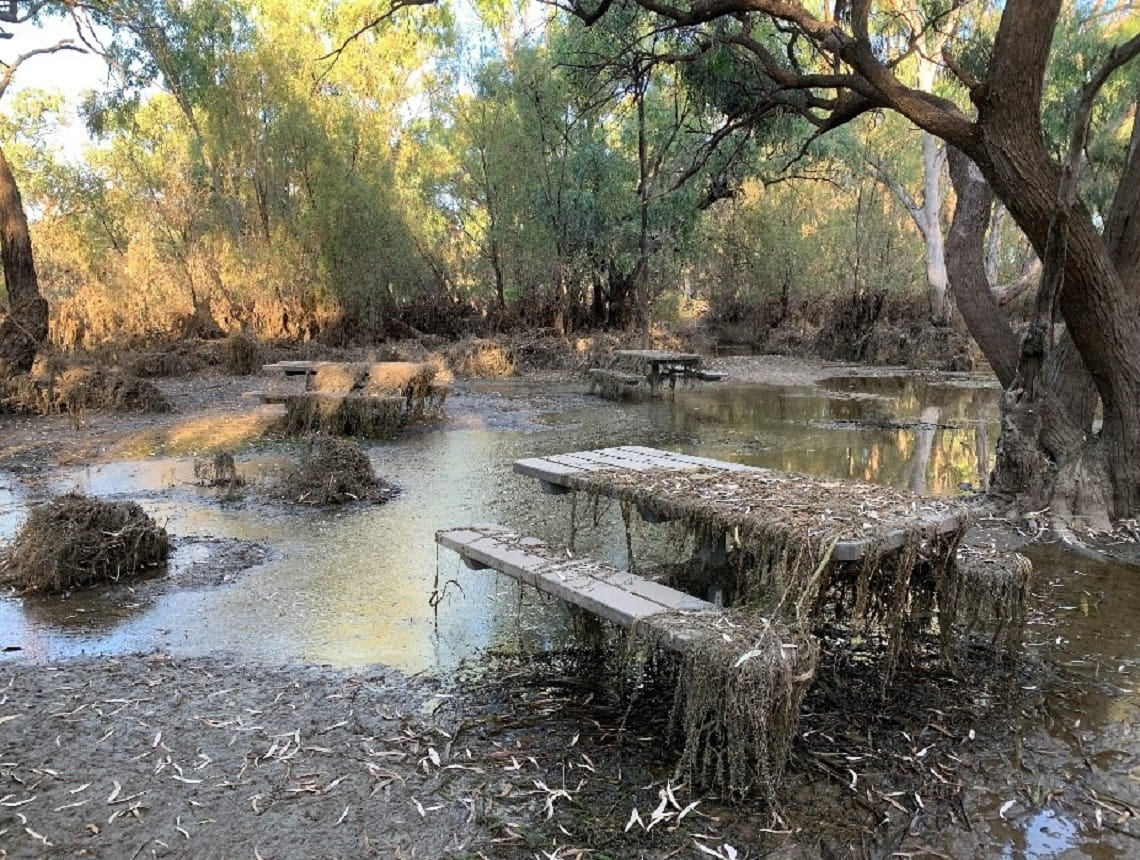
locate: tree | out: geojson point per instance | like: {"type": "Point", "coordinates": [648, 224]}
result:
{"type": "Point", "coordinates": [25, 327]}
{"type": "Point", "coordinates": [837, 67]}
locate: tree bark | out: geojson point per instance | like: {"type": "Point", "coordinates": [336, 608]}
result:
{"type": "Point", "coordinates": [937, 276]}
{"type": "Point", "coordinates": [985, 321]}
{"type": "Point", "coordinates": [26, 327]}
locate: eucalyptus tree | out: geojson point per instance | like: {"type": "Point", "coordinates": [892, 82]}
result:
{"type": "Point", "coordinates": [25, 325]}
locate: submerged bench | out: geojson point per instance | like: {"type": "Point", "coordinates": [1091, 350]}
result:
{"type": "Point", "coordinates": [662, 614]}
{"type": "Point", "coordinates": [740, 681]}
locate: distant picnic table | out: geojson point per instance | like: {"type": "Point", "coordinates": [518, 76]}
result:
{"type": "Point", "coordinates": [630, 368]}
{"type": "Point", "coordinates": [354, 398]}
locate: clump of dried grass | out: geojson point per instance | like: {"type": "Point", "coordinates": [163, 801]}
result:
{"type": "Point", "coordinates": [75, 541]}
{"type": "Point", "coordinates": [476, 357]}
{"type": "Point", "coordinates": [543, 350]}
{"type": "Point", "coordinates": [990, 592]}
{"type": "Point", "coordinates": [243, 354]}
{"type": "Point", "coordinates": [404, 378]}
{"type": "Point", "coordinates": [351, 414]}
{"type": "Point", "coordinates": [367, 399]}
{"type": "Point", "coordinates": [179, 359]}
{"type": "Point", "coordinates": [332, 472]}
{"type": "Point", "coordinates": [220, 471]}
{"type": "Point", "coordinates": [82, 388]}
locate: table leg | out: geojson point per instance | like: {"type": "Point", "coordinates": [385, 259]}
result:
{"type": "Point", "coordinates": [654, 378]}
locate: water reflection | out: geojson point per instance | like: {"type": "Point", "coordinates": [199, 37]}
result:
{"type": "Point", "coordinates": [932, 438]}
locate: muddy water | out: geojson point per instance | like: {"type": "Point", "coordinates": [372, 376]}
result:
{"type": "Point", "coordinates": [353, 587]}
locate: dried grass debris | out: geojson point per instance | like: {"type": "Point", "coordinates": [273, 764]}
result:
{"type": "Point", "coordinates": [780, 531]}
{"type": "Point", "coordinates": [77, 389]}
{"type": "Point", "coordinates": [75, 541]}
{"type": "Point", "coordinates": [351, 414]}
{"type": "Point", "coordinates": [477, 357]}
{"type": "Point", "coordinates": [82, 388]}
{"type": "Point", "coordinates": [243, 354]}
{"type": "Point", "coordinates": [367, 399]}
{"type": "Point", "coordinates": [332, 472]}
{"type": "Point", "coordinates": [991, 593]}
{"type": "Point", "coordinates": [403, 378]}
{"type": "Point", "coordinates": [219, 471]}
{"type": "Point", "coordinates": [737, 705]}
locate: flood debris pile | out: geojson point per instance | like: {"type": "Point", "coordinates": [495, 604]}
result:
{"type": "Point", "coordinates": [613, 384]}
{"type": "Point", "coordinates": [737, 702]}
{"type": "Point", "coordinates": [780, 532]}
{"type": "Point", "coordinates": [991, 592]}
{"type": "Point", "coordinates": [779, 548]}
{"type": "Point", "coordinates": [481, 358]}
{"type": "Point", "coordinates": [367, 399]}
{"type": "Point", "coordinates": [333, 472]}
{"type": "Point", "coordinates": [243, 354]}
{"type": "Point", "coordinates": [218, 472]}
{"type": "Point", "coordinates": [76, 389]}
{"type": "Point", "coordinates": [76, 541]}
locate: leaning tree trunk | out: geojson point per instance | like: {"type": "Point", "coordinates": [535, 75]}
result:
{"type": "Point", "coordinates": [1098, 298]}
{"type": "Point", "coordinates": [1042, 459]}
{"type": "Point", "coordinates": [25, 327]}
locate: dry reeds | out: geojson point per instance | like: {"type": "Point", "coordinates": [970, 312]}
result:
{"type": "Point", "coordinates": [332, 472]}
{"type": "Point", "coordinates": [75, 541]}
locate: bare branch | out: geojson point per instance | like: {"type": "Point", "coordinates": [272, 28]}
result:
{"type": "Point", "coordinates": [10, 68]}
{"type": "Point", "coordinates": [14, 17]}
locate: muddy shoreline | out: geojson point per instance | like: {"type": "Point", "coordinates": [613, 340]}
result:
{"type": "Point", "coordinates": [227, 756]}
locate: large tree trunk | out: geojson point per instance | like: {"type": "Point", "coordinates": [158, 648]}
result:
{"type": "Point", "coordinates": [1101, 310]}
{"type": "Point", "coordinates": [967, 269]}
{"type": "Point", "coordinates": [26, 326]}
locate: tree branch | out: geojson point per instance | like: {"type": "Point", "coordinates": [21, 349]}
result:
{"type": "Point", "coordinates": [10, 68]}
{"type": "Point", "coordinates": [371, 24]}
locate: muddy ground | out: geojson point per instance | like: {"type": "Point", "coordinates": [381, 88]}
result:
{"type": "Point", "coordinates": [148, 756]}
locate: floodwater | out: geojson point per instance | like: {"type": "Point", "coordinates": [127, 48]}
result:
{"type": "Point", "coordinates": [353, 587]}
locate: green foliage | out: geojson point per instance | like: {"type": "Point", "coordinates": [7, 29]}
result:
{"type": "Point", "coordinates": [253, 170]}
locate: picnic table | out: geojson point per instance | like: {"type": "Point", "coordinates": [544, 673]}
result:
{"type": "Point", "coordinates": [629, 368]}
{"type": "Point", "coordinates": [671, 486]}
